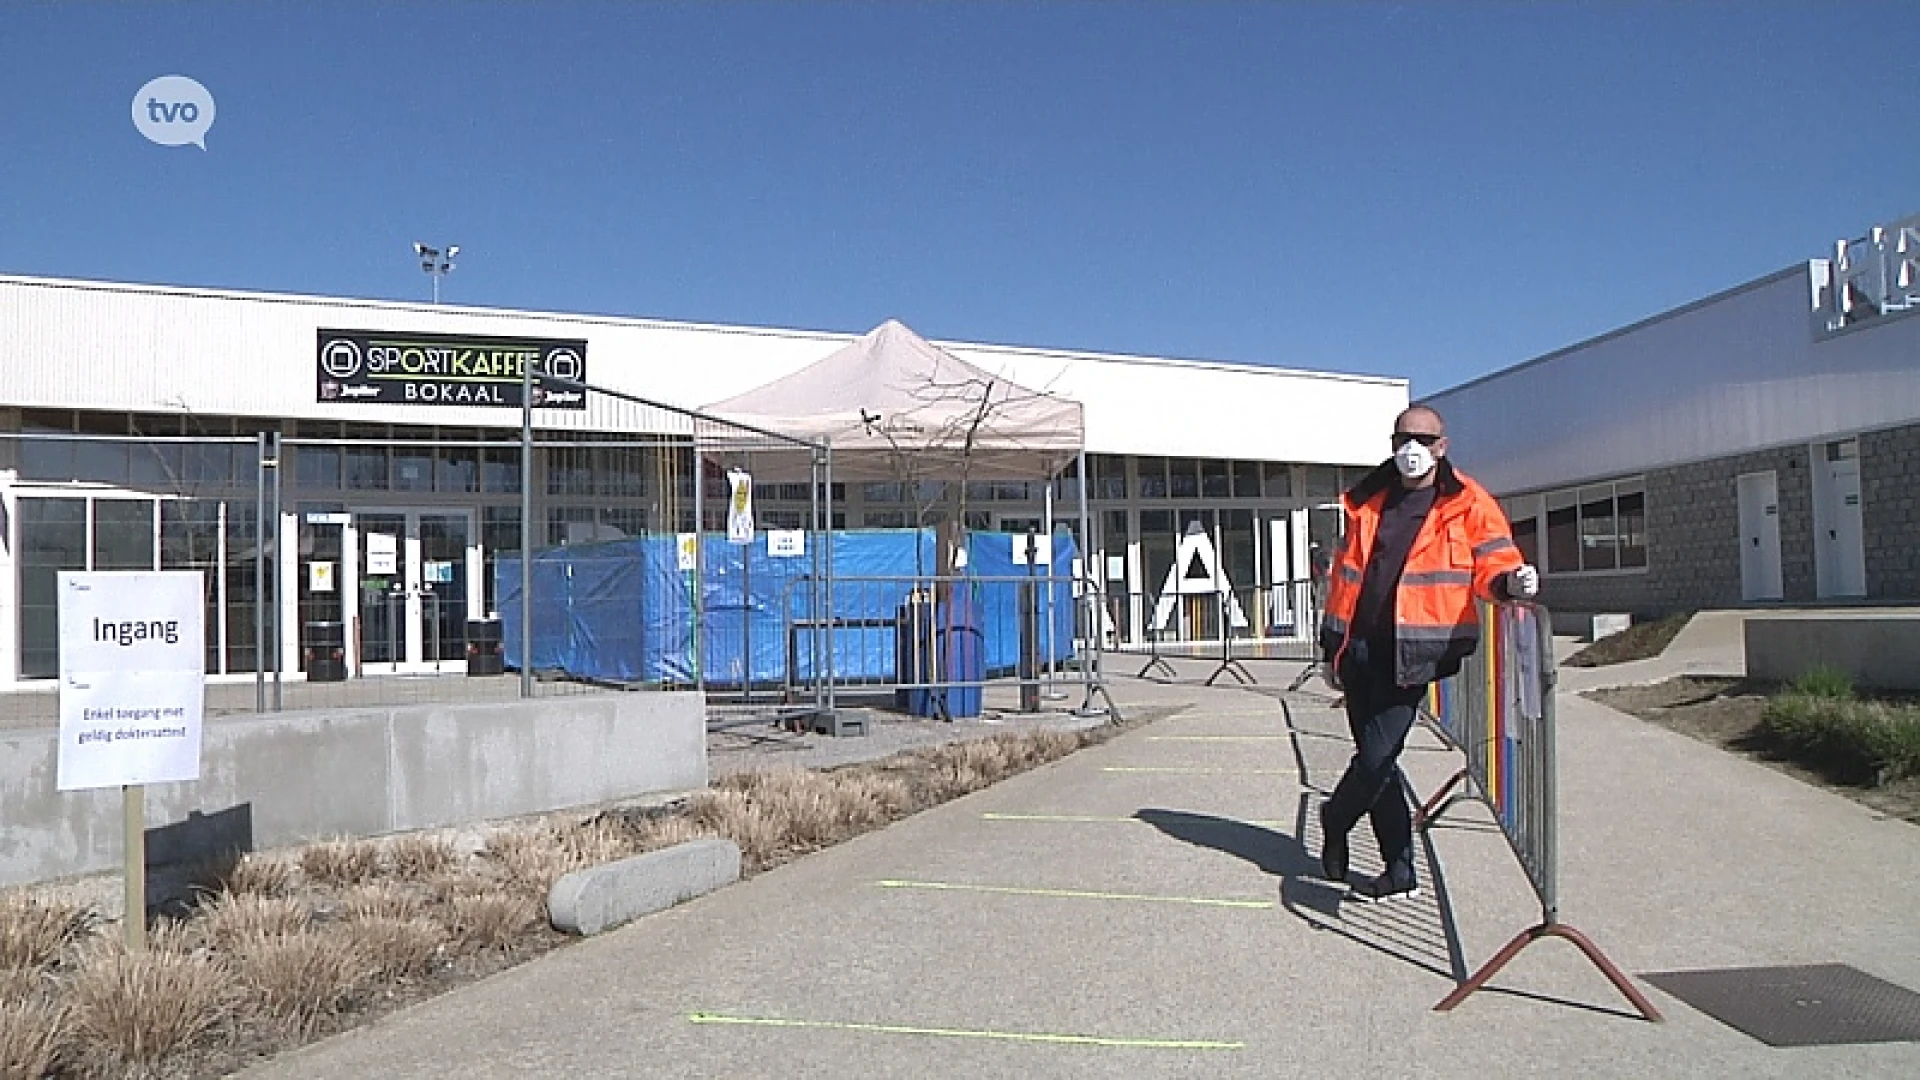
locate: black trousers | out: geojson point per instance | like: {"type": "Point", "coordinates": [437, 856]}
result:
{"type": "Point", "coordinates": [1380, 713]}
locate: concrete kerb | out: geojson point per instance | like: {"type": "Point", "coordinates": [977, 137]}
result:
{"type": "Point", "coordinates": [595, 900]}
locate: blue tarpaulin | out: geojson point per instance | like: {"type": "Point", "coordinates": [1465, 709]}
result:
{"type": "Point", "coordinates": [622, 611]}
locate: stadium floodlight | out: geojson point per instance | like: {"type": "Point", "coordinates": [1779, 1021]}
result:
{"type": "Point", "coordinates": [436, 263]}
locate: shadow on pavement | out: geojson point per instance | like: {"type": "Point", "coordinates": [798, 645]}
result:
{"type": "Point", "coordinates": [1273, 852]}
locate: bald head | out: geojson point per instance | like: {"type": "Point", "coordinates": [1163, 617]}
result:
{"type": "Point", "coordinates": [1432, 421]}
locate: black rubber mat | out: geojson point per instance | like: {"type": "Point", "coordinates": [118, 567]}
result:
{"type": "Point", "coordinates": [1814, 1005]}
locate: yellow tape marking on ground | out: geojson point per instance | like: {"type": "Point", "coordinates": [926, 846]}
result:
{"type": "Point", "coordinates": [1195, 771]}
{"type": "Point", "coordinates": [1218, 738]}
{"type": "Point", "coordinates": [963, 1033]}
{"type": "Point", "coordinates": [1075, 894]}
{"type": "Point", "coordinates": [1094, 819]}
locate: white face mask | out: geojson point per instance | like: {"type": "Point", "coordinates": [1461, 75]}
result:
{"type": "Point", "coordinates": [1413, 460]}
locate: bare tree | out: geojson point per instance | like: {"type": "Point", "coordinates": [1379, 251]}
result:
{"type": "Point", "coordinates": [935, 463]}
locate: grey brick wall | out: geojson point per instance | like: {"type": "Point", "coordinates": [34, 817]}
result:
{"type": "Point", "coordinates": [1890, 512]}
{"type": "Point", "coordinates": [1693, 539]}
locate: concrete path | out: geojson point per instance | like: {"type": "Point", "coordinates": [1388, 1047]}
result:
{"type": "Point", "coordinates": [1151, 908]}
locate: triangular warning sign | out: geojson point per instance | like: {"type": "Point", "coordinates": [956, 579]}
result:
{"type": "Point", "coordinates": [1201, 576]}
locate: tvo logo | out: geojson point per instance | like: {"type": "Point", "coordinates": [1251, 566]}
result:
{"type": "Point", "coordinates": [173, 110]}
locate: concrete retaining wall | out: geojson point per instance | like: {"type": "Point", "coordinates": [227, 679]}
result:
{"type": "Point", "coordinates": [269, 781]}
{"type": "Point", "coordinates": [1880, 651]}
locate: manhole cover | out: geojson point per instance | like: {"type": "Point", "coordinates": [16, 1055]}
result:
{"type": "Point", "coordinates": [1814, 1005]}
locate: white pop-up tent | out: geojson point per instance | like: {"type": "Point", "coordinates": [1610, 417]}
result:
{"type": "Point", "coordinates": [894, 407]}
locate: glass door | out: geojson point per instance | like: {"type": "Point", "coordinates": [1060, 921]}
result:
{"type": "Point", "coordinates": [418, 572]}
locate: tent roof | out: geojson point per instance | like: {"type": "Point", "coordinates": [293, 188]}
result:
{"type": "Point", "coordinates": [895, 407]}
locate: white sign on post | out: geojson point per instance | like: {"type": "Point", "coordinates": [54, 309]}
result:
{"type": "Point", "coordinates": [739, 507]}
{"type": "Point", "coordinates": [687, 547]}
{"type": "Point", "coordinates": [132, 677]}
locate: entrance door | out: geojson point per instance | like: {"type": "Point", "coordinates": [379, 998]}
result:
{"type": "Point", "coordinates": [419, 577]}
{"type": "Point", "coordinates": [1759, 498]}
{"type": "Point", "coordinates": [1843, 546]}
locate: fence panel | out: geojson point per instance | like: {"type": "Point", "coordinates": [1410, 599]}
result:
{"type": "Point", "coordinates": [159, 499]}
{"type": "Point", "coordinates": [1498, 711]}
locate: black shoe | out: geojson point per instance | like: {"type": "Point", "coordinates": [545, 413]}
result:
{"type": "Point", "coordinates": [1333, 850]}
{"type": "Point", "coordinates": [1385, 887]}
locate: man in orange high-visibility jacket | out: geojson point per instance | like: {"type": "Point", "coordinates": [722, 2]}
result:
{"type": "Point", "coordinates": [1423, 544]}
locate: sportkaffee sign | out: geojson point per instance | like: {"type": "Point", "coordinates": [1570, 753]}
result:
{"type": "Point", "coordinates": [373, 366]}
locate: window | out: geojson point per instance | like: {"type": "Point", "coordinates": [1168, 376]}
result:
{"type": "Point", "coordinates": [1279, 481]}
{"type": "Point", "coordinates": [1323, 482]}
{"type": "Point", "coordinates": [500, 470]}
{"type": "Point", "coordinates": [1598, 550]}
{"type": "Point", "coordinates": [53, 537]}
{"type": "Point", "coordinates": [1631, 514]}
{"type": "Point", "coordinates": [457, 469]}
{"type": "Point", "coordinates": [1183, 478]}
{"type": "Point", "coordinates": [570, 471]}
{"type": "Point", "coordinates": [1214, 481]}
{"type": "Point", "coordinates": [885, 519]}
{"type": "Point", "coordinates": [883, 493]}
{"type": "Point", "coordinates": [1109, 476]}
{"type": "Point", "coordinates": [1246, 479]}
{"type": "Point", "coordinates": [1153, 477]}
{"type": "Point", "coordinates": [1594, 528]}
{"type": "Point", "coordinates": [123, 534]}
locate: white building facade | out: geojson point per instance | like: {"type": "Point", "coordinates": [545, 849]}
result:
{"type": "Point", "coordinates": [1760, 446]}
{"type": "Point", "coordinates": [131, 419]}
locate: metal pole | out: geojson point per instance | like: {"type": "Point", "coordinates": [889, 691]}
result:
{"type": "Point", "coordinates": [828, 575]}
{"type": "Point", "coordinates": [260, 573]}
{"type": "Point", "coordinates": [699, 567]}
{"type": "Point", "coordinates": [822, 620]}
{"type": "Point", "coordinates": [279, 577]}
{"type": "Point", "coordinates": [1046, 603]}
{"type": "Point", "coordinates": [526, 528]}
{"type": "Point", "coordinates": [1094, 587]}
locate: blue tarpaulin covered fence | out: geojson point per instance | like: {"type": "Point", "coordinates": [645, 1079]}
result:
{"type": "Point", "coordinates": [623, 612]}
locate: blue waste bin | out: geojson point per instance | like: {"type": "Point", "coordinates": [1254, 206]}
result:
{"type": "Point", "coordinates": [963, 655]}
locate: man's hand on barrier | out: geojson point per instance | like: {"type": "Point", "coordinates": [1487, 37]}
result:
{"type": "Point", "coordinates": [1524, 583]}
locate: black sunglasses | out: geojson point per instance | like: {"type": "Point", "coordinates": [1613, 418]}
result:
{"type": "Point", "coordinates": [1402, 438]}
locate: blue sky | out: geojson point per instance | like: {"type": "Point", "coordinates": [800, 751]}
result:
{"type": "Point", "coordinates": [1434, 190]}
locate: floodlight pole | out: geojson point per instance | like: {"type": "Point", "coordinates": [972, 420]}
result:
{"type": "Point", "coordinates": [436, 262]}
{"type": "Point", "coordinates": [526, 528]}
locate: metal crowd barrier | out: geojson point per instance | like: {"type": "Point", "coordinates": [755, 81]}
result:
{"type": "Point", "coordinates": [935, 643]}
{"type": "Point", "coordinates": [1226, 625]}
{"type": "Point", "coordinates": [1498, 711]}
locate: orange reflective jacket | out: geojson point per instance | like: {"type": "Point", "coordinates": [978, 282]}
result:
{"type": "Point", "coordinates": [1462, 553]}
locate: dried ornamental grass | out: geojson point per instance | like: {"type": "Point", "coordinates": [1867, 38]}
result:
{"type": "Point", "coordinates": [382, 900]}
{"type": "Point", "coordinates": [129, 1011]}
{"type": "Point", "coordinates": [295, 980]}
{"type": "Point", "coordinates": [35, 931]}
{"type": "Point", "coordinates": [257, 875]}
{"type": "Point", "coordinates": [731, 814]}
{"type": "Point", "coordinates": [235, 918]}
{"type": "Point", "coordinates": [418, 856]}
{"type": "Point", "coordinates": [341, 862]}
{"type": "Point", "coordinates": [657, 833]}
{"type": "Point", "coordinates": [30, 1038]}
{"type": "Point", "coordinates": [396, 948]}
{"type": "Point", "coordinates": [495, 921]}
{"type": "Point", "coordinates": [535, 857]}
